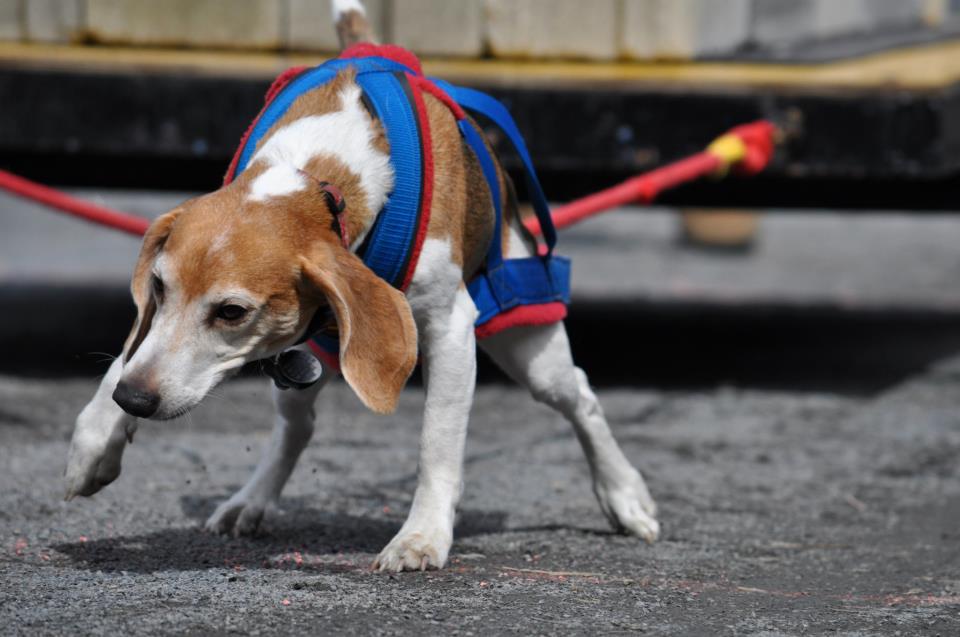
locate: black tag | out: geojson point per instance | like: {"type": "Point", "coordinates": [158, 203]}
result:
{"type": "Point", "coordinates": [293, 369]}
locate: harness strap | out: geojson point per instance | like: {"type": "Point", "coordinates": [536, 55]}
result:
{"type": "Point", "coordinates": [527, 291]}
{"type": "Point", "coordinates": [491, 108]}
{"type": "Point", "coordinates": [281, 96]}
{"type": "Point", "coordinates": [392, 246]}
{"type": "Point", "coordinates": [388, 246]}
{"type": "Point", "coordinates": [524, 291]}
{"type": "Point", "coordinates": [473, 139]}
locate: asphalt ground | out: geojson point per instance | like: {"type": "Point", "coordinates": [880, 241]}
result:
{"type": "Point", "coordinates": [783, 513]}
{"type": "Point", "coordinates": [792, 406]}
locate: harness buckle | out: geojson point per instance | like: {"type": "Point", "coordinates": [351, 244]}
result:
{"type": "Point", "coordinates": [293, 369]}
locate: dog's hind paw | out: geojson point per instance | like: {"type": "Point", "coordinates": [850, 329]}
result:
{"type": "Point", "coordinates": [238, 517]}
{"type": "Point", "coordinates": [630, 508]}
{"type": "Point", "coordinates": [630, 518]}
{"type": "Point", "coordinates": [414, 551]}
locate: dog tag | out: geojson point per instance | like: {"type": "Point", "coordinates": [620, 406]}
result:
{"type": "Point", "coordinates": [293, 369]}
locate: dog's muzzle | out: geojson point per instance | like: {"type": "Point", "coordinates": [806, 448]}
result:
{"type": "Point", "coordinates": [135, 400]}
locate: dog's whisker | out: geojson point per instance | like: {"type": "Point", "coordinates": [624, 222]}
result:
{"type": "Point", "coordinates": [103, 357]}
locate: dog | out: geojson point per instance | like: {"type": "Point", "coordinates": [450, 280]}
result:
{"type": "Point", "coordinates": [239, 274]}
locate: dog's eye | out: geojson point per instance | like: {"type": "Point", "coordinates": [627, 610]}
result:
{"type": "Point", "coordinates": [231, 313]}
{"type": "Point", "coordinates": [157, 287]}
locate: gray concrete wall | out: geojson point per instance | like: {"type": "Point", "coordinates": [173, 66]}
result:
{"type": "Point", "coordinates": [551, 29]}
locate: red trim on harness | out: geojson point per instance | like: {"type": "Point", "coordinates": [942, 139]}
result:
{"type": "Point", "coordinates": [437, 92]}
{"type": "Point", "coordinates": [523, 316]}
{"type": "Point", "coordinates": [331, 359]}
{"type": "Point", "coordinates": [390, 51]}
{"type": "Point", "coordinates": [426, 195]}
{"type": "Point", "coordinates": [418, 84]}
{"type": "Point", "coordinates": [282, 80]}
{"type": "Point", "coordinates": [278, 85]}
{"type": "Point", "coordinates": [402, 56]}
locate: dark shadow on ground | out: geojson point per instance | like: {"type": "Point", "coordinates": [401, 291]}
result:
{"type": "Point", "coordinates": [803, 347]}
{"type": "Point", "coordinates": [806, 347]}
{"type": "Point", "coordinates": [302, 529]}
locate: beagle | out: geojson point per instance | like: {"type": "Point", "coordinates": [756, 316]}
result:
{"type": "Point", "coordinates": [239, 274]}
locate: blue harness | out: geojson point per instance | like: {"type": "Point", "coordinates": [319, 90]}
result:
{"type": "Point", "coordinates": [392, 245]}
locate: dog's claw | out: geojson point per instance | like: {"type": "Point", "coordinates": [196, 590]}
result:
{"type": "Point", "coordinates": [237, 517]}
{"type": "Point", "coordinates": [414, 551]}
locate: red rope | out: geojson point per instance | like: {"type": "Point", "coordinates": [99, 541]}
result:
{"type": "Point", "coordinates": [758, 138]}
{"type": "Point", "coordinates": [76, 207]}
{"type": "Point", "coordinates": [644, 189]}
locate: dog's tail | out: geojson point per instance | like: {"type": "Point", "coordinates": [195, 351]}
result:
{"type": "Point", "coordinates": [352, 24]}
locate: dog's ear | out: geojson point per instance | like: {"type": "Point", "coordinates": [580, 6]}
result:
{"type": "Point", "coordinates": [140, 285]}
{"type": "Point", "coordinates": [378, 338]}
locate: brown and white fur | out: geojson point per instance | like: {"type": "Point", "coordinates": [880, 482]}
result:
{"type": "Point", "coordinates": [235, 276]}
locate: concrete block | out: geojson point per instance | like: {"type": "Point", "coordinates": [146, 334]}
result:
{"type": "Point", "coordinates": [938, 12]}
{"type": "Point", "coordinates": [935, 12]}
{"type": "Point", "coordinates": [11, 19]}
{"type": "Point", "coordinates": [781, 21]}
{"type": "Point", "coordinates": [553, 28]}
{"type": "Point", "coordinates": [784, 22]}
{"type": "Point", "coordinates": [711, 27]}
{"type": "Point", "coordinates": [53, 20]}
{"type": "Point", "coordinates": [683, 28]}
{"type": "Point", "coordinates": [835, 17]}
{"type": "Point", "coordinates": [215, 23]}
{"type": "Point", "coordinates": [895, 13]}
{"type": "Point", "coordinates": [439, 27]}
{"type": "Point", "coordinates": [638, 29]}
{"type": "Point", "coordinates": [310, 24]}
{"type": "Point", "coordinates": [790, 21]}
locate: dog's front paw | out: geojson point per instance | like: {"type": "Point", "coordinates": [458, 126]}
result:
{"type": "Point", "coordinates": [92, 466]}
{"type": "Point", "coordinates": [238, 516]}
{"type": "Point", "coordinates": [629, 506]}
{"type": "Point", "coordinates": [415, 550]}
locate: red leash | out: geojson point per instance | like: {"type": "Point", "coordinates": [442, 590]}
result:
{"type": "Point", "coordinates": [746, 149]}
{"type": "Point", "coordinates": [71, 205]}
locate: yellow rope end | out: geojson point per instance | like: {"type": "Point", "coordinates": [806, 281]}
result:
{"type": "Point", "coordinates": [729, 149]}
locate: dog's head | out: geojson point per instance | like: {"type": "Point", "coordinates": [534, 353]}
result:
{"type": "Point", "coordinates": [222, 281]}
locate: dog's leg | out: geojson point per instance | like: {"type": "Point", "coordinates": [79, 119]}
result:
{"type": "Point", "coordinates": [448, 350]}
{"type": "Point", "coordinates": [99, 438]}
{"type": "Point", "coordinates": [293, 426]}
{"type": "Point", "coordinates": [539, 359]}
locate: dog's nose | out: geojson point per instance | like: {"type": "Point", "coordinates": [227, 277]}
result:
{"type": "Point", "coordinates": [135, 400]}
